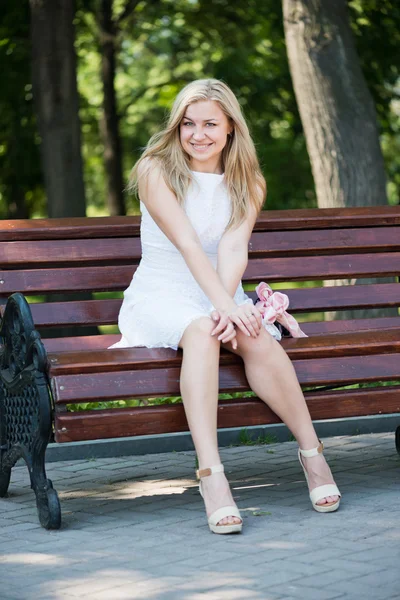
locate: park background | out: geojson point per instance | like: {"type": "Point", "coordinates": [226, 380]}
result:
{"type": "Point", "coordinates": [86, 83]}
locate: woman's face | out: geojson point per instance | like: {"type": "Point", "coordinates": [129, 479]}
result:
{"type": "Point", "coordinates": [203, 134]}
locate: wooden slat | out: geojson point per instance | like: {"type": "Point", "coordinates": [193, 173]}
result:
{"type": "Point", "coordinates": [84, 342]}
{"type": "Point", "coordinates": [150, 420]}
{"type": "Point", "coordinates": [105, 312]}
{"type": "Point", "coordinates": [85, 279]}
{"type": "Point", "coordinates": [328, 218]}
{"type": "Point", "coordinates": [117, 278]}
{"type": "Point", "coordinates": [82, 252]}
{"type": "Point", "coordinates": [69, 228]}
{"type": "Point", "coordinates": [92, 252]}
{"type": "Point", "coordinates": [323, 267]}
{"type": "Point", "coordinates": [101, 342]}
{"type": "Point", "coordinates": [124, 359]}
{"type": "Point", "coordinates": [93, 387]}
{"type": "Point", "coordinates": [343, 326]}
{"type": "Point", "coordinates": [103, 227]}
{"type": "Point", "coordinates": [83, 312]}
{"type": "Point", "coordinates": [324, 241]}
{"type": "Point", "coordinates": [343, 297]}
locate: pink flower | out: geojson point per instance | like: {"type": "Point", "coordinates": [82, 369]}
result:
{"type": "Point", "coordinates": [264, 291]}
{"type": "Point", "coordinates": [273, 306]}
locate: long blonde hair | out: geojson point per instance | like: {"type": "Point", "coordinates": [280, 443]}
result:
{"type": "Point", "coordinates": [243, 178]}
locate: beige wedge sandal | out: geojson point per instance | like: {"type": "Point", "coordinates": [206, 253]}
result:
{"type": "Point", "coordinates": [221, 513]}
{"type": "Point", "coordinates": [322, 491]}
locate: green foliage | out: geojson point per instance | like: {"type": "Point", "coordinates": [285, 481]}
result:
{"type": "Point", "coordinates": [376, 26]}
{"type": "Point", "coordinates": [21, 184]}
{"type": "Point", "coordinates": [147, 402]}
{"type": "Point", "coordinates": [167, 44]}
{"type": "Point", "coordinates": [164, 44]}
{"type": "Point", "coordinates": [82, 406]}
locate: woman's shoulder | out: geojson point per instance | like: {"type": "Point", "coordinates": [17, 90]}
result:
{"type": "Point", "coordinates": [149, 165]}
{"type": "Point", "coordinates": [150, 178]}
{"type": "Point", "coordinates": [152, 184]}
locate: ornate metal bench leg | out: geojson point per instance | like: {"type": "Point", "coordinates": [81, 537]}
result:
{"type": "Point", "coordinates": [25, 407]}
{"type": "Point", "coordinates": [47, 502]}
{"type": "Point", "coordinates": [5, 475]}
{"type": "Point", "coordinates": [398, 439]}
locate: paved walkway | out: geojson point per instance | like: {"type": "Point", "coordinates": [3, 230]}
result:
{"type": "Point", "coordinates": [134, 527]}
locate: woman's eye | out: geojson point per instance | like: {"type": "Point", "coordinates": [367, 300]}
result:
{"type": "Point", "coordinates": [212, 124]}
{"type": "Point", "coordinates": [188, 123]}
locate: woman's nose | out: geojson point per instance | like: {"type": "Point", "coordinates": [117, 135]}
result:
{"type": "Point", "coordinates": [198, 134]}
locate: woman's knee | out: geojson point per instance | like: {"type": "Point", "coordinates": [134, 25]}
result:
{"type": "Point", "coordinates": [199, 332]}
{"type": "Point", "coordinates": [263, 343]}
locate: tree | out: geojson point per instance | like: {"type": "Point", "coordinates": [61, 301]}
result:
{"type": "Point", "coordinates": [337, 111]}
{"type": "Point", "coordinates": [56, 99]}
{"type": "Point", "coordinates": [107, 21]}
{"type": "Point", "coordinates": [57, 106]}
{"type": "Point", "coordinates": [108, 30]}
{"type": "Point", "coordinates": [161, 46]}
{"type": "Point", "coordinates": [336, 107]}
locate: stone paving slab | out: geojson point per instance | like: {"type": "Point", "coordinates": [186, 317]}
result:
{"type": "Point", "coordinates": [136, 528]}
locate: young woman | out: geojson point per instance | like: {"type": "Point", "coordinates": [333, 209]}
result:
{"type": "Point", "coordinates": [201, 189]}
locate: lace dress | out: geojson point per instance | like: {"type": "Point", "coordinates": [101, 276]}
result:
{"type": "Point", "coordinates": [163, 297]}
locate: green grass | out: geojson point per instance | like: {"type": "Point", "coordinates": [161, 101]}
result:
{"type": "Point", "coordinates": [157, 401]}
{"type": "Point", "coordinates": [246, 439]}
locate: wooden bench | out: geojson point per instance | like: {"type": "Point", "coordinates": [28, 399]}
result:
{"type": "Point", "coordinates": [40, 378]}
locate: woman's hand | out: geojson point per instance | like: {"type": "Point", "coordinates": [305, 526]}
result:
{"type": "Point", "coordinates": [246, 317]}
{"type": "Point", "coordinates": [225, 328]}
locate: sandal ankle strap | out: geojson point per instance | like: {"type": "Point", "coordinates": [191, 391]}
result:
{"type": "Point", "coordinates": [313, 451]}
{"type": "Point", "coordinates": [209, 471]}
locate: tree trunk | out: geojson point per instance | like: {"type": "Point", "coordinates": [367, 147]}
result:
{"type": "Point", "coordinates": [336, 109]}
{"type": "Point", "coordinates": [335, 105]}
{"type": "Point", "coordinates": [17, 207]}
{"type": "Point", "coordinates": [110, 121]}
{"type": "Point", "coordinates": [57, 105]}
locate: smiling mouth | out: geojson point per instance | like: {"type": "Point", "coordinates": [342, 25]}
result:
{"type": "Point", "coordinates": [200, 147]}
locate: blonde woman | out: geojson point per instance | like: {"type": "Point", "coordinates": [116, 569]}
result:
{"type": "Point", "coordinates": [201, 189]}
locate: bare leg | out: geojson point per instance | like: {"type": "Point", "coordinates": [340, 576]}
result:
{"type": "Point", "coordinates": [199, 389]}
{"type": "Point", "coordinates": [272, 377]}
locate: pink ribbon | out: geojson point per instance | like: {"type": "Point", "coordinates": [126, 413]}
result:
{"type": "Point", "coordinates": [273, 307]}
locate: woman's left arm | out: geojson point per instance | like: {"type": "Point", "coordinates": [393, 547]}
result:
{"type": "Point", "coordinates": [233, 253]}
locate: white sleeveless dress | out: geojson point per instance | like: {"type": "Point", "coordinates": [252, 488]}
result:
{"type": "Point", "coordinates": [163, 297]}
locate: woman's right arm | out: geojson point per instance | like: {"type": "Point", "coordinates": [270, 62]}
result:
{"type": "Point", "coordinates": [171, 218]}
